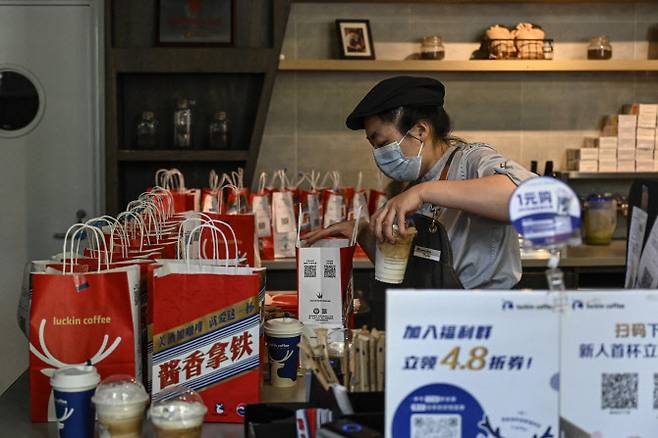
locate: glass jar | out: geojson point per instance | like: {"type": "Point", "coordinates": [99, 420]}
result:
{"type": "Point", "coordinates": [599, 48]}
{"type": "Point", "coordinates": [147, 131]}
{"type": "Point", "coordinates": [183, 124]}
{"type": "Point", "coordinates": [600, 219]}
{"type": "Point", "coordinates": [432, 48]}
{"type": "Point", "coordinates": [219, 131]}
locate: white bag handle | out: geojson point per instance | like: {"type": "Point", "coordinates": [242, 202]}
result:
{"type": "Point", "coordinates": [112, 223]}
{"type": "Point", "coordinates": [75, 228]}
{"type": "Point", "coordinates": [262, 181]}
{"type": "Point", "coordinates": [189, 243]}
{"type": "Point", "coordinates": [170, 198]}
{"type": "Point", "coordinates": [359, 183]}
{"type": "Point", "coordinates": [220, 197]}
{"type": "Point", "coordinates": [204, 218]}
{"type": "Point", "coordinates": [139, 221]}
{"type": "Point", "coordinates": [148, 207]}
{"type": "Point", "coordinates": [160, 176]}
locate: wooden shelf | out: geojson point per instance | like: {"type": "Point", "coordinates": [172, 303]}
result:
{"type": "Point", "coordinates": [571, 175]}
{"type": "Point", "coordinates": [191, 60]}
{"type": "Point", "coordinates": [182, 155]}
{"type": "Point", "coordinates": [469, 66]}
{"type": "Point", "coordinates": [463, 1]}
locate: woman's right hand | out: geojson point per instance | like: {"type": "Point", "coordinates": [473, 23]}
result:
{"type": "Point", "coordinates": [341, 229]}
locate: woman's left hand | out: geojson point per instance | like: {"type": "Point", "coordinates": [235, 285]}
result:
{"type": "Point", "coordinates": [395, 211]}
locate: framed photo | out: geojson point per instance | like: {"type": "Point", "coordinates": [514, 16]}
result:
{"type": "Point", "coordinates": [355, 39]}
{"type": "Point", "coordinates": [196, 22]}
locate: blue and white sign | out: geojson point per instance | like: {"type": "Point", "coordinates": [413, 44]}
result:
{"type": "Point", "coordinates": [471, 364]}
{"type": "Point", "coordinates": [609, 366]}
{"type": "Point", "coordinates": [545, 211]}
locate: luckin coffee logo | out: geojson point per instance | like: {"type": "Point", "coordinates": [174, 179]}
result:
{"type": "Point", "coordinates": [508, 305]}
{"type": "Point", "coordinates": [319, 295]}
{"type": "Point", "coordinates": [577, 304]}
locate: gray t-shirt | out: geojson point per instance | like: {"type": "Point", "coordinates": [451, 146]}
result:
{"type": "Point", "coordinates": [485, 252]}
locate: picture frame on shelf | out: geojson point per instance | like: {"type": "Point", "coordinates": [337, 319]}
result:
{"type": "Point", "coordinates": [355, 39]}
{"type": "Point", "coordinates": [195, 22]}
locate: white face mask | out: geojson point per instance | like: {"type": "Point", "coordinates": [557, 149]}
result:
{"type": "Point", "coordinates": [393, 163]}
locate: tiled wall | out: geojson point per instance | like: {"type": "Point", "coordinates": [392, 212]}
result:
{"type": "Point", "coordinates": [526, 116]}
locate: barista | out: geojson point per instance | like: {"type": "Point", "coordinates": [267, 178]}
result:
{"type": "Point", "coordinates": [457, 192]}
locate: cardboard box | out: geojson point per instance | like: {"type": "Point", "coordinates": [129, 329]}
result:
{"type": "Point", "coordinates": [607, 165]}
{"type": "Point", "coordinates": [607, 142]}
{"type": "Point", "coordinates": [625, 143]}
{"type": "Point", "coordinates": [626, 154]}
{"type": "Point", "coordinates": [627, 121]}
{"type": "Point", "coordinates": [583, 154]}
{"type": "Point", "coordinates": [626, 166]}
{"type": "Point", "coordinates": [609, 154]}
{"type": "Point", "coordinates": [627, 132]}
{"type": "Point", "coordinates": [646, 144]}
{"type": "Point", "coordinates": [646, 133]}
{"type": "Point", "coordinates": [645, 165]}
{"type": "Point", "coordinates": [644, 154]}
{"type": "Point", "coordinates": [588, 166]}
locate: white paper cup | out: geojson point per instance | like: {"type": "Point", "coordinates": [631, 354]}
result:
{"type": "Point", "coordinates": [120, 402]}
{"type": "Point", "coordinates": [283, 336]}
{"type": "Point", "coordinates": [391, 258]}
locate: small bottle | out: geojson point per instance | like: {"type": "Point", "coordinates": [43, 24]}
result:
{"type": "Point", "coordinates": [599, 48]}
{"type": "Point", "coordinates": [183, 124]}
{"type": "Point", "coordinates": [219, 132]}
{"type": "Point", "coordinates": [147, 131]}
{"type": "Point", "coordinates": [432, 48]}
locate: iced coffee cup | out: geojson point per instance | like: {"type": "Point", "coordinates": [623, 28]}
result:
{"type": "Point", "coordinates": [391, 258]}
{"type": "Point", "coordinates": [179, 414]}
{"type": "Point", "coordinates": [120, 402]}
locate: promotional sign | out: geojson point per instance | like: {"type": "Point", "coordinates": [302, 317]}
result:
{"type": "Point", "coordinates": [476, 364]}
{"type": "Point", "coordinates": [609, 385]}
{"type": "Point", "coordinates": [545, 211]}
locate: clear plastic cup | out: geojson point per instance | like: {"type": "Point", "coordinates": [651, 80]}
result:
{"type": "Point", "coordinates": [391, 258]}
{"type": "Point", "coordinates": [120, 402]}
{"type": "Point", "coordinates": [178, 414]}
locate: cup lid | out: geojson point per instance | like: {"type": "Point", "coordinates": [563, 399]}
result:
{"type": "Point", "coordinates": [283, 326]}
{"type": "Point", "coordinates": [178, 404]}
{"type": "Point", "coordinates": [75, 377]}
{"type": "Point", "coordinates": [119, 390]}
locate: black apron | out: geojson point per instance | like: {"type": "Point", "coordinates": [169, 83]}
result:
{"type": "Point", "coordinates": [430, 262]}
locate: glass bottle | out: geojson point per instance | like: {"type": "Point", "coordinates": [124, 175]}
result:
{"type": "Point", "coordinates": [432, 48]}
{"type": "Point", "coordinates": [219, 131]}
{"type": "Point", "coordinates": [147, 131]}
{"type": "Point", "coordinates": [599, 48]}
{"type": "Point", "coordinates": [183, 124]}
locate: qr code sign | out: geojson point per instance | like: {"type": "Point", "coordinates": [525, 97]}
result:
{"type": "Point", "coordinates": [310, 271]}
{"type": "Point", "coordinates": [329, 271]}
{"type": "Point", "coordinates": [619, 391]}
{"type": "Point", "coordinates": [436, 426]}
{"type": "Point", "coordinates": [655, 391]}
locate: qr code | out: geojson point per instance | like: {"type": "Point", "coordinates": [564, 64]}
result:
{"type": "Point", "coordinates": [261, 225]}
{"type": "Point", "coordinates": [310, 271]}
{"type": "Point", "coordinates": [329, 271]}
{"type": "Point", "coordinates": [285, 220]}
{"type": "Point", "coordinates": [436, 426]}
{"type": "Point", "coordinates": [619, 391]}
{"type": "Point", "coordinates": [646, 279]}
{"type": "Point", "coordinates": [655, 391]}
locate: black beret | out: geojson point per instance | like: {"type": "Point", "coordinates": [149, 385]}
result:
{"type": "Point", "coordinates": [395, 92]}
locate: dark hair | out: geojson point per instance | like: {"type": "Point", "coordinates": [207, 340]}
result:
{"type": "Point", "coordinates": [405, 117]}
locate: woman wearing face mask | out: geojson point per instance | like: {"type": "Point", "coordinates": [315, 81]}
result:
{"type": "Point", "coordinates": [457, 192]}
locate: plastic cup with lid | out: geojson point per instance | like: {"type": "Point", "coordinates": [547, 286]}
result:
{"type": "Point", "coordinates": [282, 336]}
{"type": "Point", "coordinates": [73, 388]}
{"type": "Point", "coordinates": [120, 402]}
{"type": "Point", "coordinates": [178, 413]}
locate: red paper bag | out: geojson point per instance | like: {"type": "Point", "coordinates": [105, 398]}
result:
{"type": "Point", "coordinates": [206, 335]}
{"type": "Point", "coordinates": [75, 318]}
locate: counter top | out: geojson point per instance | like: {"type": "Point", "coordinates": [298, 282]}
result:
{"type": "Point", "coordinates": [582, 256]}
{"type": "Point", "coordinates": [15, 413]}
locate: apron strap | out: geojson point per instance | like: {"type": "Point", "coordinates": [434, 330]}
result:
{"type": "Point", "coordinates": [443, 177]}
{"type": "Point", "coordinates": [446, 167]}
